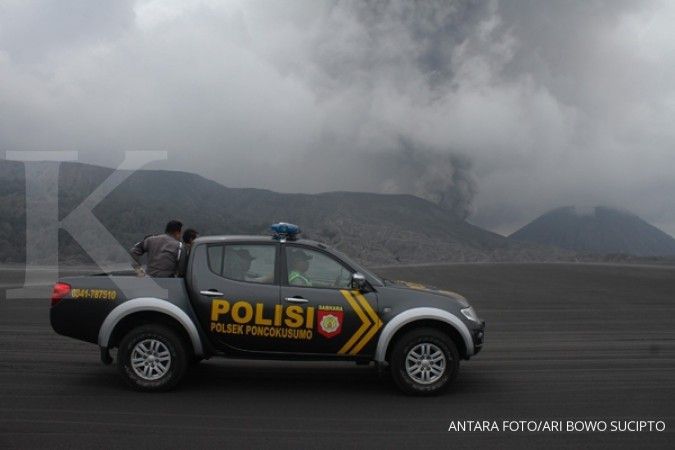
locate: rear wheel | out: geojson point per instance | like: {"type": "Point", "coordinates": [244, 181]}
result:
{"type": "Point", "coordinates": [152, 358]}
{"type": "Point", "coordinates": [424, 361]}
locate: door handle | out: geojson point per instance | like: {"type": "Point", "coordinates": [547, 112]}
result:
{"type": "Point", "coordinates": [212, 293]}
{"type": "Point", "coordinates": [296, 299]}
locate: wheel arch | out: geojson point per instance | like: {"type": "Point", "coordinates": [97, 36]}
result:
{"type": "Point", "coordinates": [424, 316]}
{"type": "Point", "coordinates": [148, 310]}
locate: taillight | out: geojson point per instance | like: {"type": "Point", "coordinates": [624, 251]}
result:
{"type": "Point", "coordinates": [60, 290]}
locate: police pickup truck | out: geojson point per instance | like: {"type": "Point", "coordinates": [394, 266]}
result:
{"type": "Point", "coordinates": [267, 297]}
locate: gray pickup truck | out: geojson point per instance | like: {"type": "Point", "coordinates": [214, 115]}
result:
{"type": "Point", "coordinates": [268, 298]}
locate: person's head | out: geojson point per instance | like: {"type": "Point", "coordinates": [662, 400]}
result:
{"type": "Point", "coordinates": [173, 228]}
{"type": "Point", "coordinates": [245, 259]}
{"type": "Point", "coordinates": [189, 235]}
{"type": "Point", "coordinates": [299, 260]}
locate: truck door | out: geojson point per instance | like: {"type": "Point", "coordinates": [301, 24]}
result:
{"type": "Point", "coordinates": [236, 292]}
{"type": "Point", "coordinates": [317, 286]}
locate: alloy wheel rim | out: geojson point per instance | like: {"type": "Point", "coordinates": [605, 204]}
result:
{"type": "Point", "coordinates": [150, 359]}
{"type": "Point", "coordinates": [425, 363]}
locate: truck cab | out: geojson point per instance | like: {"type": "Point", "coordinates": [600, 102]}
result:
{"type": "Point", "coordinates": [255, 296]}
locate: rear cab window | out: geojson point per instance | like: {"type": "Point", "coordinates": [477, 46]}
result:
{"type": "Point", "coordinates": [252, 263]}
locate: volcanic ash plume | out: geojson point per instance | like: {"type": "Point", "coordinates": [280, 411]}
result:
{"type": "Point", "coordinates": [440, 177]}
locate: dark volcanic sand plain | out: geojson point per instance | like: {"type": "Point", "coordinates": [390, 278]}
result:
{"type": "Point", "coordinates": [564, 341]}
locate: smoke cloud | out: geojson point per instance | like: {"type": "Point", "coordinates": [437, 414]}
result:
{"type": "Point", "coordinates": [440, 177]}
{"type": "Point", "coordinates": [496, 110]}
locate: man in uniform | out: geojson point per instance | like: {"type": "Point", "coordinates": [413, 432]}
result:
{"type": "Point", "coordinates": [238, 263]}
{"type": "Point", "coordinates": [165, 252]}
{"type": "Point", "coordinates": [298, 263]}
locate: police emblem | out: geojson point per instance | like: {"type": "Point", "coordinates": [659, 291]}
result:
{"type": "Point", "coordinates": [330, 323]}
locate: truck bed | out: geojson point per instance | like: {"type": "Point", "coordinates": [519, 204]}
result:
{"type": "Point", "coordinates": [81, 313]}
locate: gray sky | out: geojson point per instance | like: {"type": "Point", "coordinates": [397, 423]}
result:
{"type": "Point", "coordinates": [498, 110]}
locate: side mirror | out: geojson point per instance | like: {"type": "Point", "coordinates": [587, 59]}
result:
{"type": "Point", "coordinates": [359, 281]}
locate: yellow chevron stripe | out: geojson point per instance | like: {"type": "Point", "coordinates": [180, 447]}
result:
{"type": "Point", "coordinates": [362, 329]}
{"type": "Point", "coordinates": [377, 324]}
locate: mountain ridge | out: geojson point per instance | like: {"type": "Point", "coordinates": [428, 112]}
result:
{"type": "Point", "coordinates": [600, 230]}
{"type": "Point", "coordinates": [373, 228]}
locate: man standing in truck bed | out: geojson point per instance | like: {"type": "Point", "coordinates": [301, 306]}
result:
{"type": "Point", "coordinates": [165, 252]}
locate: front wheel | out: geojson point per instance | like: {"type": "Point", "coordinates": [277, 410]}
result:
{"type": "Point", "coordinates": [424, 361]}
{"type": "Point", "coordinates": [152, 358]}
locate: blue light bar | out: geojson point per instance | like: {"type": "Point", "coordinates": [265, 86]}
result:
{"type": "Point", "coordinates": [285, 230]}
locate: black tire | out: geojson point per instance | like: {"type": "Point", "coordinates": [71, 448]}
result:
{"type": "Point", "coordinates": [410, 340]}
{"type": "Point", "coordinates": [173, 343]}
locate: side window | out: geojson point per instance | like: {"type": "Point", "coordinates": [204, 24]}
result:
{"type": "Point", "coordinates": [315, 269]}
{"type": "Point", "coordinates": [249, 262]}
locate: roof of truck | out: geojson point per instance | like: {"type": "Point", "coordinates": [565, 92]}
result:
{"type": "Point", "coordinates": [253, 238]}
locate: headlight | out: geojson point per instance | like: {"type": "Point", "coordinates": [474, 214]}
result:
{"type": "Point", "coordinates": [470, 314]}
